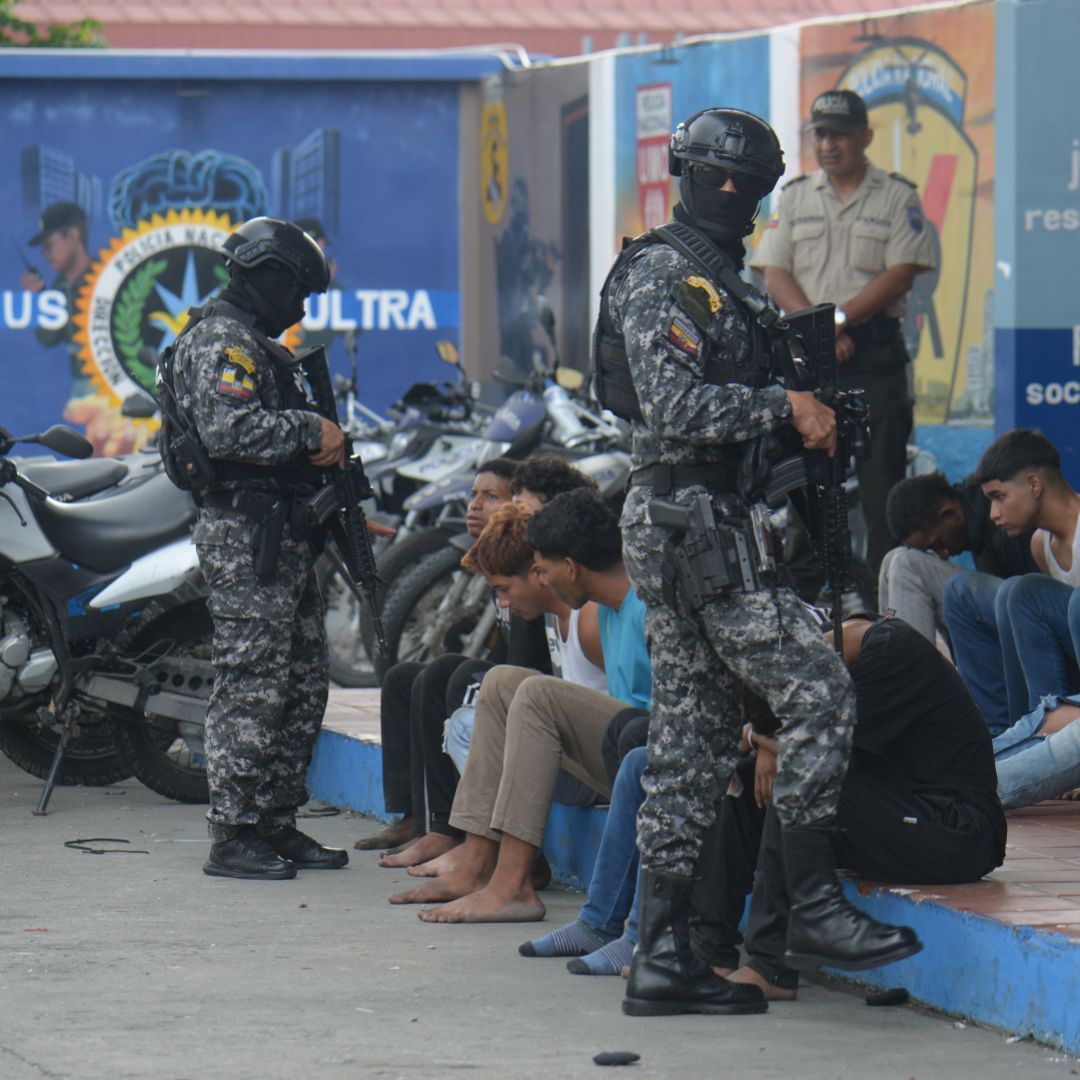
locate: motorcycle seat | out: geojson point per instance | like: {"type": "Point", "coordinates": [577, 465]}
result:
{"type": "Point", "coordinates": [109, 533]}
{"type": "Point", "coordinates": [74, 479]}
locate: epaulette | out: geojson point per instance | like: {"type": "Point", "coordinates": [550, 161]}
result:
{"type": "Point", "coordinates": [904, 180]}
{"type": "Point", "coordinates": [795, 180]}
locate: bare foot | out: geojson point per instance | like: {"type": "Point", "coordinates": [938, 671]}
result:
{"type": "Point", "coordinates": [420, 850]}
{"type": "Point", "coordinates": [448, 887]}
{"type": "Point", "coordinates": [750, 977]}
{"type": "Point", "coordinates": [446, 863]}
{"type": "Point", "coordinates": [541, 872]}
{"type": "Point", "coordinates": [489, 905]}
{"type": "Point", "coordinates": [398, 833]}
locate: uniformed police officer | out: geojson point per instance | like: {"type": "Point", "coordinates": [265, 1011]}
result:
{"type": "Point", "coordinates": [705, 392]}
{"type": "Point", "coordinates": [247, 401]}
{"type": "Point", "coordinates": [853, 235]}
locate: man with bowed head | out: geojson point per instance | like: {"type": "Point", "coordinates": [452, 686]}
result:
{"type": "Point", "coordinates": [703, 392]}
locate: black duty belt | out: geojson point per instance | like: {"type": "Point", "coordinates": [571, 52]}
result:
{"type": "Point", "coordinates": [880, 329]}
{"type": "Point", "coordinates": [663, 478]}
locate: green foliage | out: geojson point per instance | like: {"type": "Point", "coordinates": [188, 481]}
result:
{"type": "Point", "coordinates": [128, 316]}
{"type": "Point", "coordinates": [16, 32]}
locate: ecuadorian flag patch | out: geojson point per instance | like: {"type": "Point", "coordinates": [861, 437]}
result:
{"type": "Point", "coordinates": [236, 383]}
{"type": "Point", "coordinates": [684, 336]}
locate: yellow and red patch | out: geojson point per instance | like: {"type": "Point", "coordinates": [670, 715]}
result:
{"type": "Point", "coordinates": [684, 336]}
{"type": "Point", "coordinates": [236, 383]}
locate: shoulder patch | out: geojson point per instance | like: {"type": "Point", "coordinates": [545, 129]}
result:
{"type": "Point", "coordinates": [795, 180]}
{"type": "Point", "coordinates": [695, 281]}
{"type": "Point", "coordinates": [904, 180]}
{"type": "Point", "coordinates": [236, 382]}
{"type": "Point", "coordinates": [233, 355]}
{"type": "Point", "coordinates": [684, 335]}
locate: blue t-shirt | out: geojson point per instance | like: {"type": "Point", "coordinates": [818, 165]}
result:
{"type": "Point", "coordinates": [626, 657]}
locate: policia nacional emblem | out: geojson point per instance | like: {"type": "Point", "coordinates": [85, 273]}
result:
{"type": "Point", "coordinates": [138, 295]}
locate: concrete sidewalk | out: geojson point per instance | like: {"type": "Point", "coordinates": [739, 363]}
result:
{"type": "Point", "coordinates": [138, 965]}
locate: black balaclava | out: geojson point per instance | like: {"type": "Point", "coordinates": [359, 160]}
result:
{"type": "Point", "coordinates": [724, 216]}
{"type": "Point", "coordinates": [270, 292]}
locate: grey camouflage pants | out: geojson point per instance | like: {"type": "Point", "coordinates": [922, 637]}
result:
{"type": "Point", "coordinates": [271, 682]}
{"type": "Point", "coordinates": [702, 670]}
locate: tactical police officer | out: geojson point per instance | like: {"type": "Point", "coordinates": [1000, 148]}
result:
{"type": "Point", "coordinates": [246, 400]}
{"type": "Point", "coordinates": [854, 235]}
{"type": "Point", "coordinates": [703, 393]}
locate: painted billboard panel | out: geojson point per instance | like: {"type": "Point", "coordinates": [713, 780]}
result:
{"type": "Point", "coordinates": [121, 191]}
{"type": "Point", "coordinates": [654, 91]}
{"type": "Point", "coordinates": [928, 81]}
{"type": "Point", "coordinates": [1039, 224]}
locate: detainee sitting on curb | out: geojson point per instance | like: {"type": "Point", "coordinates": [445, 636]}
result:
{"type": "Point", "coordinates": [933, 520]}
{"type": "Point", "coordinates": [502, 554]}
{"type": "Point", "coordinates": [917, 806]}
{"type": "Point", "coordinates": [527, 727]}
{"type": "Point", "coordinates": [417, 698]}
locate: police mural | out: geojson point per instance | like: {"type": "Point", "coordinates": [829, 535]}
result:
{"type": "Point", "coordinates": [929, 92]}
{"type": "Point", "coordinates": [113, 249]}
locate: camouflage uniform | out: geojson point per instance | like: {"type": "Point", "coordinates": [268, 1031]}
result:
{"type": "Point", "coordinates": [270, 655]}
{"type": "Point", "coordinates": [761, 641]}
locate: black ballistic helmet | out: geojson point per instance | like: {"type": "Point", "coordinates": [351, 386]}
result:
{"type": "Point", "coordinates": [262, 240]}
{"type": "Point", "coordinates": [729, 139]}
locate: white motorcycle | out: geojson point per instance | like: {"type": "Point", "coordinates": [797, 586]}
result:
{"type": "Point", "coordinates": [105, 661]}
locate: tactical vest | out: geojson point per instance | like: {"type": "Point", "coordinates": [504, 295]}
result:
{"type": "Point", "coordinates": [186, 460]}
{"type": "Point", "coordinates": [614, 385]}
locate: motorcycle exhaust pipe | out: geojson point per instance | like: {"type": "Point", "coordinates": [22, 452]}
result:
{"type": "Point", "coordinates": [180, 707]}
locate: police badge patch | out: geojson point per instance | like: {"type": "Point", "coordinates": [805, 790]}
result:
{"type": "Point", "coordinates": [915, 218]}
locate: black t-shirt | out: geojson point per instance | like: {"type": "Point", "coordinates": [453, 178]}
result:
{"type": "Point", "coordinates": [918, 727]}
{"type": "Point", "coordinates": [528, 645]}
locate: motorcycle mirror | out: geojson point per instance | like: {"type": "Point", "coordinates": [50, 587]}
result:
{"type": "Point", "coordinates": [63, 440]}
{"type": "Point", "coordinates": [570, 378]}
{"type": "Point", "coordinates": [545, 315]}
{"type": "Point", "coordinates": [448, 352]}
{"type": "Point", "coordinates": [138, 407]}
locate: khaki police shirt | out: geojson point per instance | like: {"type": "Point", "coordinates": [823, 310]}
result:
{"type": "Point", "coordinates": [832, 248]}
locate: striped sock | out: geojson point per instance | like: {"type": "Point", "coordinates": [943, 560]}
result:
{"type": "Point", "coordinates": [610, 960]}
{"type": "Point", "coordinates": [574, 939]}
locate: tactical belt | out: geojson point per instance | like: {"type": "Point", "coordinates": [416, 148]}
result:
{"type": "Point", "coordinates": [662, 478]}
{"type": "Point", "coordinates": [880, 330]}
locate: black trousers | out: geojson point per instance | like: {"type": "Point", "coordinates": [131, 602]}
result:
{"type": "Point", "coordinates": [418, 778]}
{"type": "Point", "coordinates": [947, 842]}
{"type": "Point", "coordinates": [880, 370]}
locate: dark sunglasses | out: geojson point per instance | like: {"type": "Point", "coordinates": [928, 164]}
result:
{"type": "Point", "coordinates": [715, 176]}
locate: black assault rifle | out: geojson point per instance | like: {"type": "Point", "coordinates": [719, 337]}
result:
{"type": "Point", "coordinates": [338, 501]}
{"type": "Point", "coordinates": [810, 364]}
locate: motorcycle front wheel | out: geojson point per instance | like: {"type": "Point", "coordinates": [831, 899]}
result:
{"type": "Point", "coordinates": [160, 756]}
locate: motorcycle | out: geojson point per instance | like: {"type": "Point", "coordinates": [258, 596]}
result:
{"type": "Point", "coordinates": [105, 664]}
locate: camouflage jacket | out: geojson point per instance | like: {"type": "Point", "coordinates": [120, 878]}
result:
{"type": "Point", "coordinates": [226, 384]}
{"type": "Point", "coordinates": [667, 312]}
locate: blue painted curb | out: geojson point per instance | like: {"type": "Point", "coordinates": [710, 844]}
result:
{"type": "Point", "coordinates": [1016, 978]}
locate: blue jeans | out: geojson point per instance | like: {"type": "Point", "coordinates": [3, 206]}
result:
{"type": "Point", "coordinates": [613, 887]}
{"type": "Point", "coordinates": [1014, 640]}
{"type": "Point", "coordinates": [1031, 767]}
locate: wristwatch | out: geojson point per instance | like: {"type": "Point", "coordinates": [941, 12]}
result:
{"type": "Point", "coordinates": [841, 318]}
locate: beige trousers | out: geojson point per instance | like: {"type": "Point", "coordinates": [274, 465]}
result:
{"type": "Point", "coordinates": [528, 727]}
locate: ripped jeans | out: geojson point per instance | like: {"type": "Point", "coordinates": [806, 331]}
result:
{"type": "Point", "coordinates": [1031, 768]}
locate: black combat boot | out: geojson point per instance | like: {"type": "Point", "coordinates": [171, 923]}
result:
{"type": "Point", "coordinates": [247, 855]}
{"type": "Point", "coordinates": [824, 930]}
{"type": "Point", "coordinates": [665, 976]}
{"type": "Point", "coordinates": [304, 852]}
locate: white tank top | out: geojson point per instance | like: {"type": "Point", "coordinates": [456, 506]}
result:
{"type": "Point", "coordinates": [568, 658]}
{"type": "Point", "coordinates": [1072, 575]}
